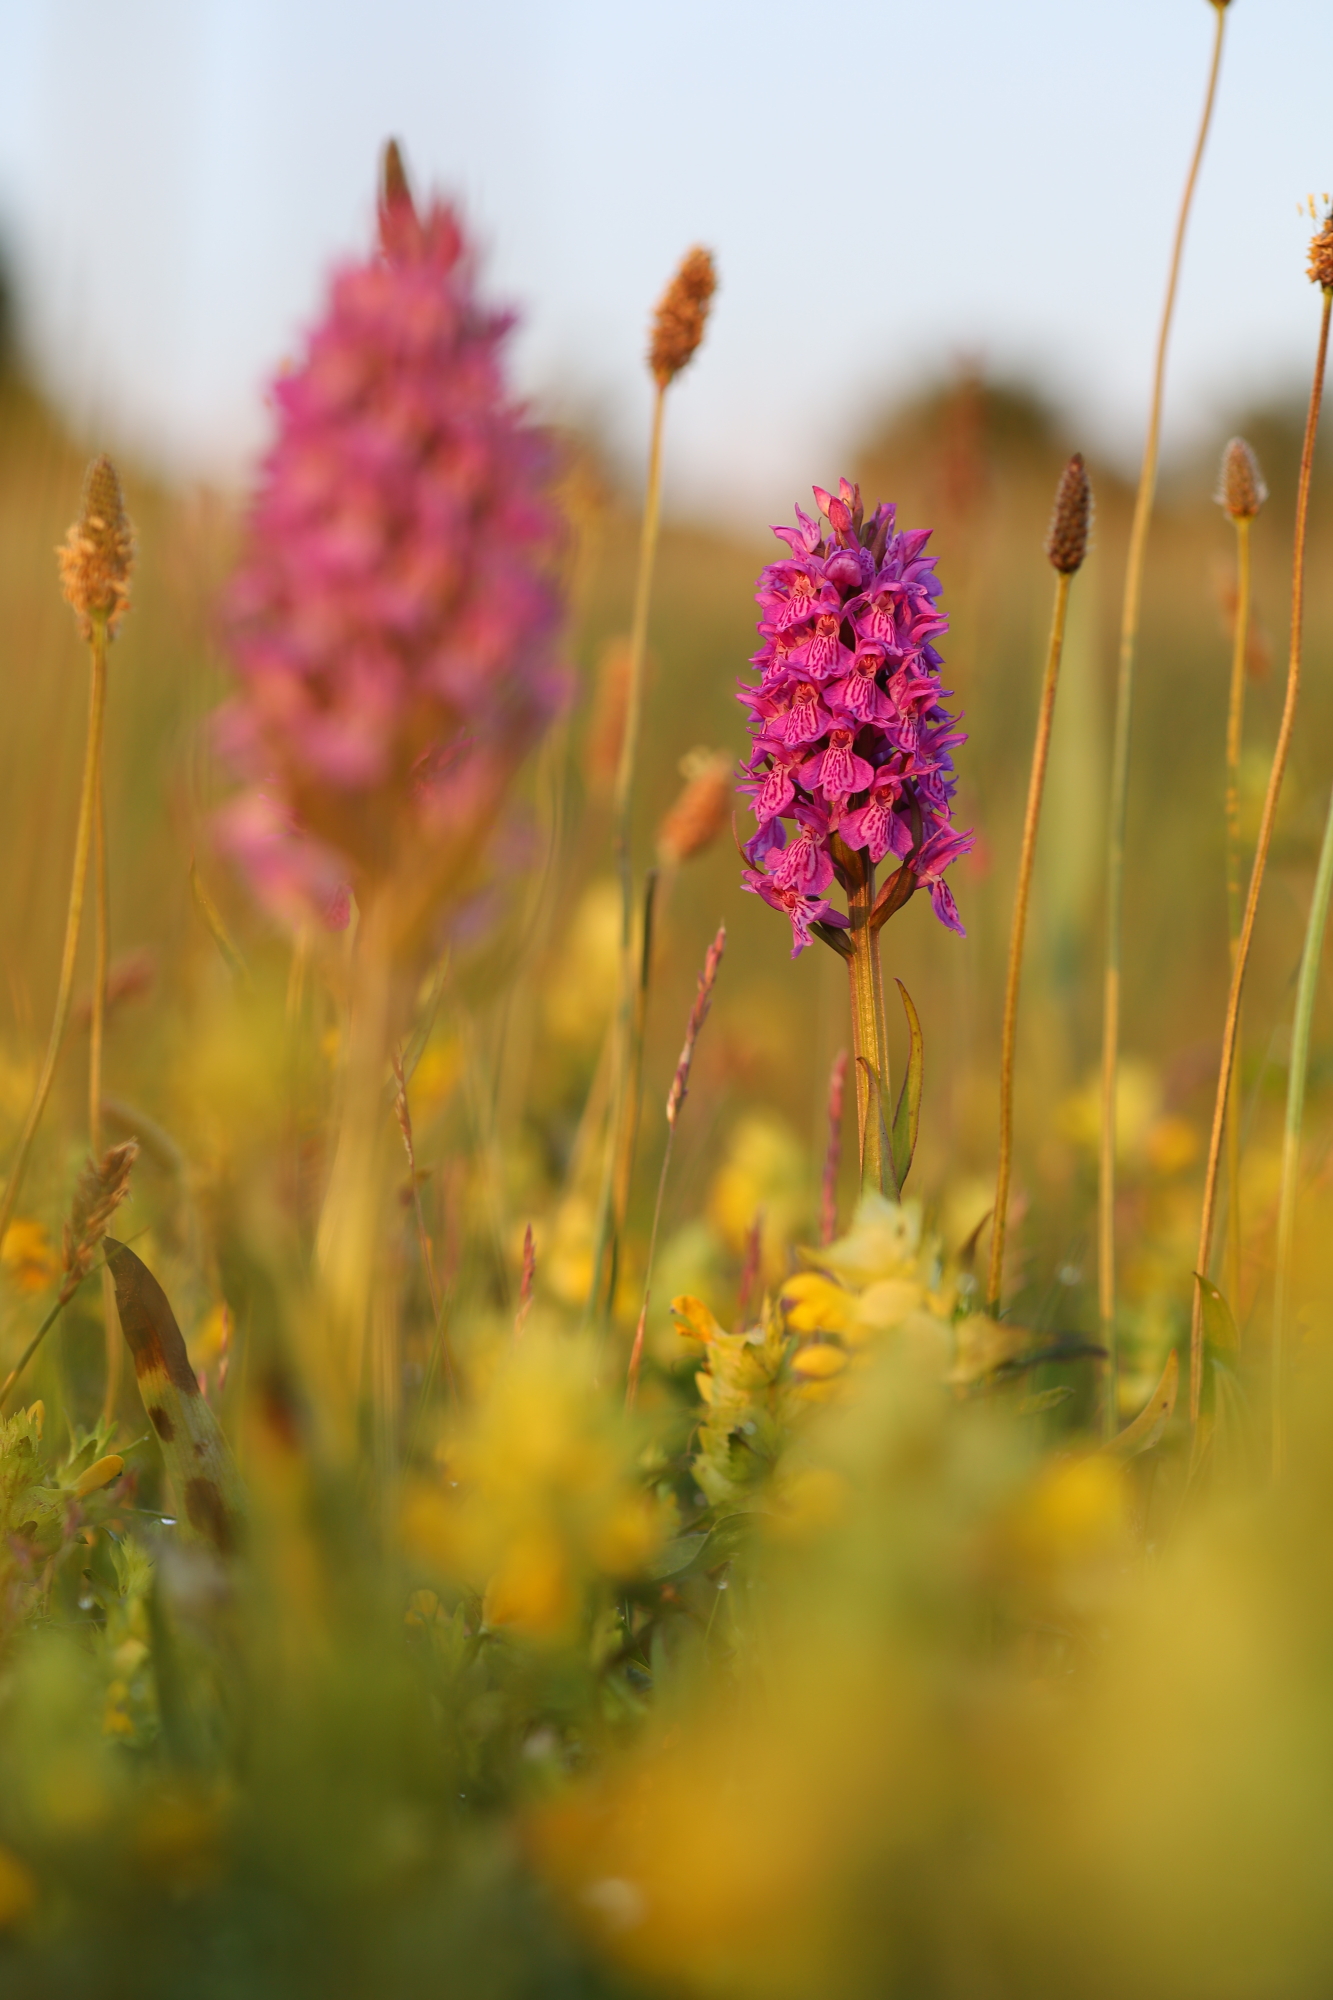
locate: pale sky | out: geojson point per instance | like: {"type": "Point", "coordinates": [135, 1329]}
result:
{"type": "Point", "coordinates": [886, 187]}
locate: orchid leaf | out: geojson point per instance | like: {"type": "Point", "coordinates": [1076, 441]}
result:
{"type": "Point", "coordinates": [907, 1113]}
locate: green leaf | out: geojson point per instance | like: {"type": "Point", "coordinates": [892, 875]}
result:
{"type": "Point", "coordinates": [907, 1115]}
{"type": "Point", "coordinates": [1045, 1399]}
{"type": "Point", "coordinates": [1152, 1420]}
{"type": "Point", "coordinates": [676, 1556]}
{"type": "Point", "coordinates": [1219, 1325]}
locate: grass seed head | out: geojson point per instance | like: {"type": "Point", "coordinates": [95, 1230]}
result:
{"type": "Point", "coordinates": [701, 811]}
{"type": "Point", "coordinates": [1241, 490]}
{"type": "Point", "coordinates": [102, 1187]}
{"type": "Point", "coordinates": [1071, 520]}
{"type": "Point", "coordinates": [681, 316]}
{"type": "Point", "coordinates": [1321, 255]}
{"type": "Point", "coordinates": [97, 555]}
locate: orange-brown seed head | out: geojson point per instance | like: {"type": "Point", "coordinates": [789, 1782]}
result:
{"type": "Point", "coordinates": [97, 555]}
{"type": "Point", "coordinates": [1240, 484]}
{"type": "Point", "coordinates": [1321, 255]}
{"type": "Point", "coordinates": [681, 316]}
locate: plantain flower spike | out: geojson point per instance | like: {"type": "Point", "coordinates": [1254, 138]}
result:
{"type": "Point", "coordinates": [700, 812]}
{"type": "Point", "coordinates": [1071, 520]}
{"type": "Point", "coordinates": [97, 555]}
{"type": "Point", "coordinates": [1321, 255]}
{"type": "Point", "coordinates": [681, 316]}
{"type": "Point", "coordinates": [1241, 490]}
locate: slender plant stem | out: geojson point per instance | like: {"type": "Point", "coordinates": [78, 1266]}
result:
{"type": "Point", "coordinates": [629, 1136]}
{"type": "Point", "coordinates": [869, 1041]}
{"type": "Point", "coordinates": [600, 1296]}
{"type": "Point", "coordinates": [1291, 1138]}
{"type": "Point", "coordinates": [73, 922]}
{"type": "Point", "coordinates": [36, 1341]}
{"type": "Point", "coordinates": [1115, 851]}
{"type": "Point", "coordinates": [1235, 722]}
{"type": "Point", "coordinates": [1036, 782]}
{"type": "Point", "coordinates": [114, 1346]}
{"type": "Point", "coordinates": [1231, 1023]}
{"type": "Point", "coordinates": [636, 1352]}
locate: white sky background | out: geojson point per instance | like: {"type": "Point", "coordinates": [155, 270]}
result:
{"type": "Point", "coordinates": [887, 185]}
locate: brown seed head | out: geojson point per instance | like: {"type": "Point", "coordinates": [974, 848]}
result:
{"type": "Point", "coordinates": [1321, 255]}
{"type": "Point", "coordinates": [102, 1187]}
{"type": "Point", "coordinates": [1240, 484]}
{"type": "Point", "coordinates": [681, 316]}
{"type": "Point", "coordinates": [97, 555]}
{"type": "Point", "coordinates": [1071, 520]}
{"type": "Point", "coordinates": [700, 813]}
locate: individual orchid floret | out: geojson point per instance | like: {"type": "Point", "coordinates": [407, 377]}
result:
{"type": "Point", "coordinates": [394, 619]}
{"type": "Point", "coordinates": [851, 739]}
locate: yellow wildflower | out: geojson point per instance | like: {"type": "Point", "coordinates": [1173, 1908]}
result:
{"type": "Point", "coordinates": [29, 1256]}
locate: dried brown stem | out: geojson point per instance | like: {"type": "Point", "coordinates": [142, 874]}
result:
{"type": "Point", "coordinates": [1262, 845]}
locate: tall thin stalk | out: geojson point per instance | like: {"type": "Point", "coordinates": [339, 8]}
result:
{"type": "Point", "coordinates": [1241, 491]}
{"type": "Point", "coordinates": [1115, 849]}
{"type": "Point", "coordinates": [622, 1047]}
{"type": "Point", "coordinates": [680, 1084]}
{"type": "Point", "coordinates": [1066, 545]}
{"type": "Point", "coordinates": [96, 1037]}
{"type": "Point", "coordinates": [1262, 845]}
{"type": "Point", "coordinates": [73, 923]}
{"type": "Point", "coordinates": [1291, 1137]}
{"type": "Point", "coordinates": [678, 328]}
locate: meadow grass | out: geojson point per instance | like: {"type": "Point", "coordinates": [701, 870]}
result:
{"type": "Point", "coordinates": [846, 1659]}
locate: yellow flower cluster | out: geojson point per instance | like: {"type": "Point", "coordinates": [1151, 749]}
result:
{"type": "Point", "coordinates": [539, 1497]}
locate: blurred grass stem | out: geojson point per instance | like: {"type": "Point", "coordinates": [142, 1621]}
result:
{"type": "Point", "coordinates": [1235, 722]}
{"type": "Point", "coordinates": [1036, 783]}
{"type": "Point", "coordinates": [604, 1248]}
{"type": "Point", "coordinates": [73, 922]}
{"type": "Point", "coordinates": [1115, 851]}
{"type": "Point", "coordinates": [1263, 843]}
{"type": "Point", "coordinates": [1291, 1137]}
{"type": "Point", "coordinates": [97, 1036]}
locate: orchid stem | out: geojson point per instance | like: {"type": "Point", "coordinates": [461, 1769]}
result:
{"type": "Point", "coordinates": [869, 1040]}
{"type": "Point", "coordinates": [1036, 782]}
{"type": "Point", "coordinates": [1264, 842]}
{"type": "Point", "coordinates": [1115, 854]}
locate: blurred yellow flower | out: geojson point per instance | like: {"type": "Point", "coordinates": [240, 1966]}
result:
{"type": "Point", "coordinates": [29, 1256]}
{"type": "Point", "coordinates": [432, 1081]}
{"type": "Point", "coordinates": [18, 1889]}
{"type": "Point", "coordinates": [542, 1499]}
{"type": "Point", "coordinates": [578, 993]}
{"type": "Point", "coordinates": [764, 1174]}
